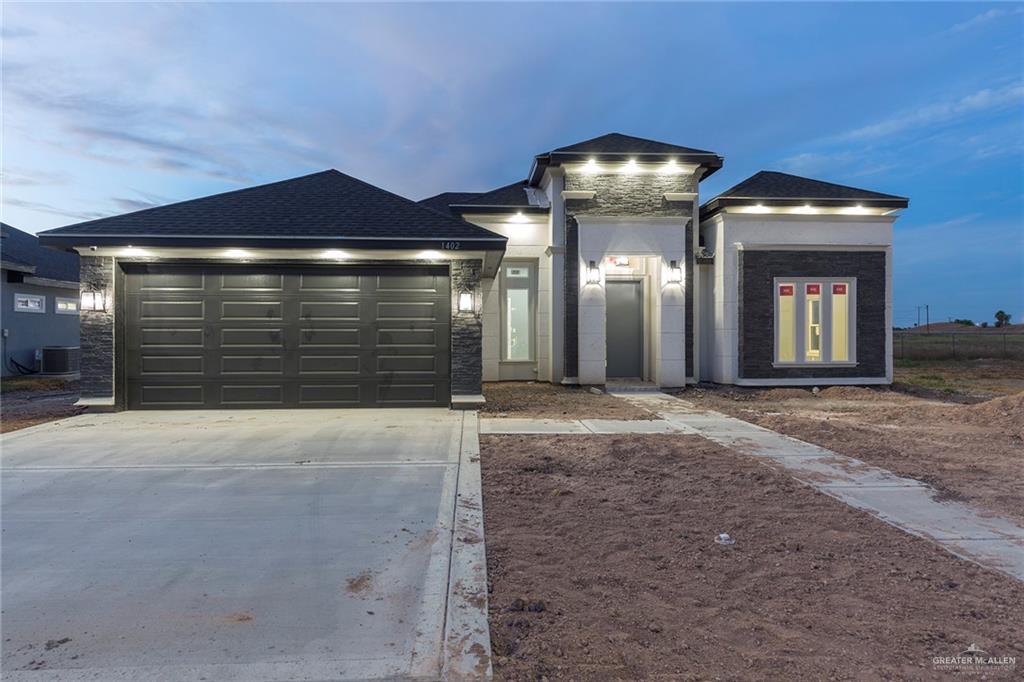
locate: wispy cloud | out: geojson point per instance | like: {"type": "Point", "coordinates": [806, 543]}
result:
{"type": "Point", "coordinates": [985, 18]}
{"type": "Point", "coordinates": [987, 99]}
{"type": "Point", "coordinates": [142, 201]}
{"type": "Point", "coordinates": [50, 208]}
{"type": "Point", "coordinates": [37, 178]}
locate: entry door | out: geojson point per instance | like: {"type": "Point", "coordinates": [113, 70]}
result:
{"type": "Point", "coordinates": [625, 329]}
{"type": "Point", "coordinates": [226, 336]}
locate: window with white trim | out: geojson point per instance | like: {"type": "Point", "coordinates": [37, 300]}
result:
{"type": "Point", "coordinates": [815, 320]}
{"type": "Point", "coordinates": [65, 306]}
{"type": "Point", "coordinates": [29, 303]}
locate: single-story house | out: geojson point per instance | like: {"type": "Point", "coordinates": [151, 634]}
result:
{"type": "Point", "coordinates": [39, 296]}
{"type": "Point", "coordinates": [602, 265]}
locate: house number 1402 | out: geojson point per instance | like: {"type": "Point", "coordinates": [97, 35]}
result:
{"type": "Point", "coordinates": [450, 246]}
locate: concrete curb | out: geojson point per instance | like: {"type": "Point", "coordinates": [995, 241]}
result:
{"type": "Point", "coordinates": [467, 637]}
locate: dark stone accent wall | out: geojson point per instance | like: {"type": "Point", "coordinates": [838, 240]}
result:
{"type": "Point", "coordinates": [97, 329]}
{"type": "Point", "coordinates": [572, 295]}
{"type": "Point", "coordinates": [689, 355]}
{"type": "Point", "coordinates": [621, 194]}
{"type": "Point", "coordinates": [757, 270]}
{"type": "Point", "coordinates": [467, 330]}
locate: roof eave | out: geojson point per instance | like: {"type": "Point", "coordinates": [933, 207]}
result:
{"type": "Point", "coordinates": [463, 209]}
{"type": "Point", "coordinates": [709, 161]}
{"type": "Point", "coordinates": [483, 243]}
{"type": "Point", "coordinates": [718, 203]}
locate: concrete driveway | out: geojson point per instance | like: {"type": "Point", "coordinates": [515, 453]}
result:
{"type": "Point", "coordinates": [242, 545]}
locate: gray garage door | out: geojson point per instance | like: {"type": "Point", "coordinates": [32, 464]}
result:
{"type": "Point", "coordinates": [202, 336]}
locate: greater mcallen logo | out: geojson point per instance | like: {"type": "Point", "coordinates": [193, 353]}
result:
{"type": "Point", "coordinates": [974, 660]}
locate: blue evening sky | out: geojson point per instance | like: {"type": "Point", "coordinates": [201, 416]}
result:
{"type": "Point", "coordinates": [113, 107]}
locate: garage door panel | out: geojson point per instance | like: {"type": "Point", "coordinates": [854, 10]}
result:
{"type": "Point", "coordinates": [252, 282]}
{"type": "Point", "coordinates": [330, 395]}
{"type": "Point", "coordinates": [172, 310]}
{"type": "Point", "coordinates": [330, 310]}
{"type": "Point", "coordinates": [330, 338]}
{"type": "Point", "coordinates": [171, 337]}
{"type": "Point", "coordinates": [407, 364]}
{"type": "Point", "coordinates": [167, 397]}
{"type": "Point", "coordinates": [240, 395]}
{"type": "Point", "coordinates": [271, 337]}
{"type": "Point", "coordinates": [422, 337]}
{"type": "Point", "coordinates": [329, 282]}
{"type": "Point", "coordinates": [330, 365]}
{"type": "Point", "coordinates": [406, 310]}
{"type": "Point", "coordinates": [251, 310]}
{"type": "Point", "coordinates": [172, 282]}
{"type": "Point", "coordinates": [174, 365]}
{"type": "Point", "coordinates": [405, 284]}
{"type": "Point", "coordinates": [282, 336]}
{"type": "Point", "coordinates": [251, 364]}
{"type": "Point", "coordinates": [408, 393]}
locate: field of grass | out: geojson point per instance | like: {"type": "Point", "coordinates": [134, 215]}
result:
{"type": "Point", "coordinates": [957, 346]}
{"type": "Point", "coordinates": [980, 379]}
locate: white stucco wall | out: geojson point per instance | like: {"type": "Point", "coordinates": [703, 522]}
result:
{"type": "Point", "coordinates": [528, 239]}
{"type": "Point", "coordinates": [662, 238]}
{"type": "Point", "coordinates": [728, 233]}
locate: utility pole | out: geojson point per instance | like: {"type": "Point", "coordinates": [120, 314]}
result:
{"type": "Point", "coordinates": [918, 317]}
{"type": "Point", "coordinates": [927, 324]}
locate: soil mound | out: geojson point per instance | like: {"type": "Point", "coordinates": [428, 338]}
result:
{"type": "Point", "coordinates": [1007, 411]}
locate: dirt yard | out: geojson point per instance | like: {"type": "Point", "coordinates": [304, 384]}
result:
{"type": "Point", "coordinates": [548, 401]}
{"type": "Point", "coordinates": [27, 401]}
{"type": "Point", "coordinates": [969, 452]}
{"type": "Point", "coordinates": [603, 567]}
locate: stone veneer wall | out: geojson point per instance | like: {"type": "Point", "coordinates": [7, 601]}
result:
{"type": "Point", "coordinates": [691, 264]}
{"type": "Point", "coordinates": [97, 329]}
{"type": "Point", "coordinates": [572, 296]}
{"type": "Point", "coordinates": [757, 273]}
{"type": "Point", "coordinates": [618, 194]}
{"type": "Point", "coordinates": [467, 330]}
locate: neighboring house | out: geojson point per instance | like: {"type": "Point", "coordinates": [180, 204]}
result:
{"type": "Point", "coordinates": [39, 298]}
{"type": "Point", "coordinates": [324, 291]}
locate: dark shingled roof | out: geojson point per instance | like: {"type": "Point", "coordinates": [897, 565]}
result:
{"type": "Point", "coordinates": [441, 202]}
{"type": "Point", "coordinates": [776, 185]}
{"type": "Point", "coordinates": [618, 146]}
{"type": "Point", "coordinates": [617, 143]}
{"type": "Point", "coordinates": [24, 249]}
{"type": "Point", "coordinates": [322, 207]}
{"type": "Point", "coordinates": [509, 195]}
{"type": "Point", "coordinates": [782, 189]}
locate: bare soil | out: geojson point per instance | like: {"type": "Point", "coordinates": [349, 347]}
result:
{"type": "Point", "coordinates": [969, 452]}
{"type": "Point", "coordinates": [27, 402]}
{"type": "Point", "coordinates": [603, 567]}
{"type": "Point", "coordinates": [540, 400]}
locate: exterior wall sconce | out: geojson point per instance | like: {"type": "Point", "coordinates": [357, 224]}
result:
{"type": "Point", "coordinates": [466, 302]}
{"type": "Point", "coordinates": [93, 300]}
{"type": "Point", "coordinates": [675, 273]}
{"type": "Point", "coordinates": [593, 273]}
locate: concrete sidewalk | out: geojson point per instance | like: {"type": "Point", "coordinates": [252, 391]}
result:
{"type": "Point", "coordinates": [908, 504]}
{"type": "Point", "coordinates": [519, 426]}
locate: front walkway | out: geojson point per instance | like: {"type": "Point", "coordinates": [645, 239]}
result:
{"type": "Point", "coordinates": [907, 504]}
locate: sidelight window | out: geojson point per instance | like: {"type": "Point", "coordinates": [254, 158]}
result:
{"type": "Point", "coordinates": [814, 321]}
{"type": "Point", "coordinates": [519, 295]}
